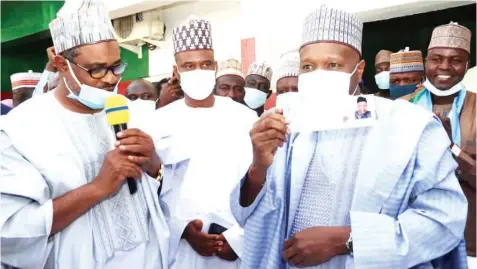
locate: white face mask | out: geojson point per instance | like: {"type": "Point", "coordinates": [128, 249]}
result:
{"type": "Point", "coordinates": [254, 98]}
{"type": "Point", "coordinates": [456, 88]}
{"type": "Point", "coordinates": [91, 97]}
{"type": "Point", "coordinates": [144, 105]}
{"type": "Point", "coordinates": [382, 80]}
{"type": "Point", "coordinates": [198, 84]}
{"type": "Point", "coordinates": [324, 84]}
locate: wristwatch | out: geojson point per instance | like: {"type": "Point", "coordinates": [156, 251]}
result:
{"type": "Point", "coordinates": [455, 150]}
{"type": "Point", "coordinates": [349, 244]}
{"type": "Point", "coordinates": [159, 173]}
{"type": "Point", "coordinates": [160, 179]}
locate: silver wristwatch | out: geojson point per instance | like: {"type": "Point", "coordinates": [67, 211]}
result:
{"type": "Point", "coordinates": [349, 244]}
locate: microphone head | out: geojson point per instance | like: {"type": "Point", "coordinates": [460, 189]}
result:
{"type": "Point", "coordinates": [116, 109]}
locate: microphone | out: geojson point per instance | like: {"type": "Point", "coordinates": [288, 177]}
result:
{"type": "Point", "coordinates": [117, 114]}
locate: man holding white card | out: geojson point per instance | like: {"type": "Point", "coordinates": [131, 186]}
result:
{"type": "Point", "coordinates": [318, 197]}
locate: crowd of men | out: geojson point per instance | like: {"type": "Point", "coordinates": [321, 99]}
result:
{"type": "Point", "coordinates": [223, 182]}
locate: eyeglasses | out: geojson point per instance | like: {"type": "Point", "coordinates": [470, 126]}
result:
{"type": "Point", "coordinates": [101, 72]}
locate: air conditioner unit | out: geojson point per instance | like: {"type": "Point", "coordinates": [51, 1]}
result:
{"type": "Point", "coordinates": [134, 31]}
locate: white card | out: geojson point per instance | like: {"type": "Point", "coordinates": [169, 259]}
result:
{"type": "Point", "coordinates": [327, 114]}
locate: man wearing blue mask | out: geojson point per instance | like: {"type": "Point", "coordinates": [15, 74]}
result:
{"type": "Point", "coordinates": [407, 72]}
{"type": "Point", "coordinates": [319, 199]}
{"type": "Point", "coordinates": [63, 198]}
{"type": "Point", "coordinates": [381, 66]}
{"type": "Point", "coordinates": [203, 143]}
{"type": "Point", "coordinates": [257, 86]}
{"type": "Point", "coordinates": [444, 94]}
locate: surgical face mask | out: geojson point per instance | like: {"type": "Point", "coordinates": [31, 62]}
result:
{"type": "Point", "coordinates": [91, 97]}
{"type": "Point", "coordinates": [398, 91]}
{"type": "Point", "coordinates": [325, 85]}
{"type": "Point", "coordinates": [456, 88]}
{"type": "Point", "coordinates": [145, 105]}
{"type": "Point", "coordinates": [198, 84]}
{"type": "Point", "coordinates": [382, 80]}
{"type": "Point", "coordinates": [254, 98]}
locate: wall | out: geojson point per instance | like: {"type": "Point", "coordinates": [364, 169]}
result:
{"type": "Point", "coordinates": [224, 17]}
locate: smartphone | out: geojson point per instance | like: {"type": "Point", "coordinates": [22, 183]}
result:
{"type": "Point", "coordinates": [216, 229]}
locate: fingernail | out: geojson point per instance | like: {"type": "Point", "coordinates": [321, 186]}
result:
{"type": "Point", "coordinates": [219, 250]}
{"type": "Point", "coordinates": [117, 143]}
{"type": "Point", "coordinates": [120, 134]}
{"type": "Point", "coordinates": [288, 131]}
{"type": "Point", "coordinates": [122, 147]}
{"type": "Point", "coordinates": [130, 158]}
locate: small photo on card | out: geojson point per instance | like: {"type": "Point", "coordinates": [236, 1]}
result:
{"type": "Point", "coordinates": [360, 111]}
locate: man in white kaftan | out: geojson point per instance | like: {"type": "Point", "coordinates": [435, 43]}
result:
{"type": "Point", "coordinates": [203, 142]}
{"type": "Point", "coordinates": [377, 196]}
{"type": "Point", "coordinates": [63, 198]}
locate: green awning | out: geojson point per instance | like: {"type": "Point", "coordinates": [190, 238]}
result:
{"type": "Point", "coordinates": [23, 18]}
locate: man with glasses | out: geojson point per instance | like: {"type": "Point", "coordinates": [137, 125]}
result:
{"type": "Point", "coordinates": [63, 198]}
{"type": "Point", "coordinates": [204, 145]}
{"type": "Point", "coordinates": [406, 72]}
{"type": "Point", "coordinates": [444, 94]}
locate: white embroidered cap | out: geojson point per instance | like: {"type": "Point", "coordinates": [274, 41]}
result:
{"type": "Point", "coordinates": [81, 22]}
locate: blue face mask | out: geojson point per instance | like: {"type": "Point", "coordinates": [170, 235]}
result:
{"type": "Point", "coordinates": [398, 91]}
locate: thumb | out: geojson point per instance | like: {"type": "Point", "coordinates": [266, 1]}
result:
{"type": "Point", "coordinates": [198, 224]}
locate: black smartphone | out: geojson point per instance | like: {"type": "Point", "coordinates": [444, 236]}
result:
{"type": "Point", "coordinates": [216, 229]}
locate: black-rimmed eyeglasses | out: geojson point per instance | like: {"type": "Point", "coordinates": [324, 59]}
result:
{"type": "Point", "coordinates": [100, 72]}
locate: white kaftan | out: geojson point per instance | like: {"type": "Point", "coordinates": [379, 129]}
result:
{"type": "Point", "coordinates": [205, 151]}
{"type": "Point", "coordinates": [48, 151]}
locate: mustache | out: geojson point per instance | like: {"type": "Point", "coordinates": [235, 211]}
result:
{"type": "Point", "coordinates": [108, 87]}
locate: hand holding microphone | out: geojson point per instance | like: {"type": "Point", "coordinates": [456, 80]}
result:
{"type": "Point", "coordinates": [133, 143]}
{"type": "Point", "coordinates": [116, 165]}
{"type": "Point", "coordinates": [115, 169]}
